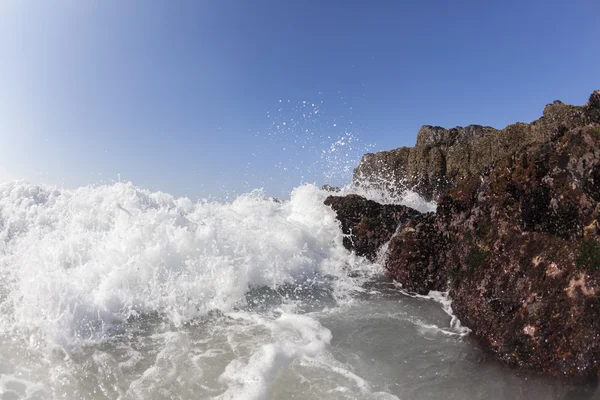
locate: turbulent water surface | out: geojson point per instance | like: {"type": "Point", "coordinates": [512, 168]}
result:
{"type": "Point", "coordinates": [116, 292]}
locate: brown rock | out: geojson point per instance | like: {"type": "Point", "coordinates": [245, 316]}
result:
{"type": "Point", "coordinates": [517, 244]}
{"type": "Point", "coordinates": [415, 256]}
{"type": "Point", "coordinates": [368, 224]}
{"type": "Point", "coordinates": [524, 271]}
{"type": "Point", "coordinates": [442, 157]}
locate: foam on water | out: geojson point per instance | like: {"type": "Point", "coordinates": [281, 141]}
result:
{"type": "Point", "coordinates": [293, 338]}
{"type": "Point", "coordinates": [78, 267]}
{"type": "Point", "coordinates": [115, 292]}
{"type": "Point", "coordinates": [298, 336]}
{"type": "Point", "coordinates": [76, 264]}
{"type": "Point", "coordinates": [385, 196]}
{"type": "Point", "coordinates": [446, 303]}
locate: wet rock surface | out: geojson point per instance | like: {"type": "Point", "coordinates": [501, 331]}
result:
{"type": "Point", "coordinates": [368, 224]}
{"type": "Point", "coordinates": [416, 257]}
{"type": "Point", "coordinates": [517, 244]}
{"type": "Point", "coordinates": [523, 255]}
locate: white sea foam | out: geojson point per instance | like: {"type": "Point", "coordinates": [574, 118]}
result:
{"type": "Point", "coordinates": [383, 196]}
{"type": "Point", "coordinates": [446, 302]}
{"type": "Point", "coordinates": [118, 292]}
{"type": "Point", "coordinates": [444, 299]}
{"type": "Point", "coordinates": [298, 336]}
{"type": "Point", "coordinates": [298, 339]}
{"type": "Point", "coordinates": [77, 263]}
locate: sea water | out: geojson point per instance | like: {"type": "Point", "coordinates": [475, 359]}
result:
{"type": "Point", "coordinates": [115, 292]}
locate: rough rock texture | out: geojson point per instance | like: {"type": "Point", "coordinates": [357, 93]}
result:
{"type": "Point", "coordinates": [524, 254]}
{"type": "Point", "coordinates": [368, 224]}
{"type": "Point", "coordinates": [443, 157]}
{"type": "Point", "coordinates": [415, 255]}
{"type": "Point", "coordinates": [518, 246]}
{"type": "Point", "coordinates": [415, 251]}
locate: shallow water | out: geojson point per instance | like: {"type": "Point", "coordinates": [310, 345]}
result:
{"type": "Point", "coordinates": [381, 346]}
{"type": "Point", "coordinates": [116, 292]}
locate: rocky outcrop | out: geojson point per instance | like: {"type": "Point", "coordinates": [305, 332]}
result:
{"type": "Point", "coordinates": [367, 224]}
{"type": "Point", "coordinates": [442, 157]}
{"type": "Point", "coordinates": [523, 255]}
{"type": "Point", "coordinates": [517, 246]}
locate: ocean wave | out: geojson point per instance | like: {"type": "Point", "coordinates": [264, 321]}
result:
{"type": "Point", "coordinates": [76, 263]}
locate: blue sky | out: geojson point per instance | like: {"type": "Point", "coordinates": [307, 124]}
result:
{"type": "Point", "coordinates": [191, 97]}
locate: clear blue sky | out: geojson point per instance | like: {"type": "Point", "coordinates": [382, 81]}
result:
{"type": "Point", "coordinates": [184, 96]}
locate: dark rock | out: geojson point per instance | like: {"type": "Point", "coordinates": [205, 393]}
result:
{"type": "Point", "coordinates": [415, 255]}
{"type": "Point", "coordinates": [523, 256]}
{"type": "Point", "coordinates": [368, 224]}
